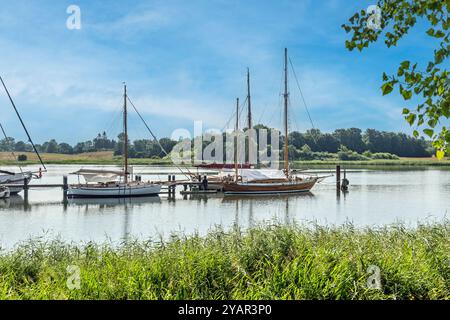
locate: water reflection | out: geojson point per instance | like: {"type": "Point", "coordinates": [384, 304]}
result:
{"type": "Point", "coordinates": [112, 202]}
{"type": "Point", "coordinates": [15, 202]}
{"type": "Point", "coordinates": [374, 198]}
{"type": "Point", "coordinates": [282, 201]}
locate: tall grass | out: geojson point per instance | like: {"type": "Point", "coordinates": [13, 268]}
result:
{"type": "Point", "coordinates": [266, 262]}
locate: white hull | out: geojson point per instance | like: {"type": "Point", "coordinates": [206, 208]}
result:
{"type": "Point", "coordinates": [120, 191]}
{"type": "Point", "coordinates": [17, 179]}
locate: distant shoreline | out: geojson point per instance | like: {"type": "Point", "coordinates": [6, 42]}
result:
{"type": "Point", "coordinates": [107, 158]}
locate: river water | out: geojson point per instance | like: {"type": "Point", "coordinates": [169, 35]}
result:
{"type": "Point", "coordinates": [376, 197]}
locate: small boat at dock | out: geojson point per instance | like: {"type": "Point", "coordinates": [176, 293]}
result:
{"type": "Point", "coordinates": [114, 184]}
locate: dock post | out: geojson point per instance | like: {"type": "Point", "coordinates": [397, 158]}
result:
{"type": "Point", "coordinates": [338, 177]}
{"type": "Point", "coordinates": [174, 186]}
{"type": "Point", "coordinates": [65, 188]}
{"type": "Point", "coordinates": [169, 187]}
{"type": "Point", "coordinates": [25, 189]}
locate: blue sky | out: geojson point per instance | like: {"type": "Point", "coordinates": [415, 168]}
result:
{"type": "Point", "coordinates": [186, 60]}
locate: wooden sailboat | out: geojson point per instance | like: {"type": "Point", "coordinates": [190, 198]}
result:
{"type": "Point", "coordinates": [269, 181]}
{"type": "Point", "coordinates": [113, 184]}
{"type": "Point", "coordinates": [17, 178]}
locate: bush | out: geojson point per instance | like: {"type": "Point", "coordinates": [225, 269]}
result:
{"type": "Point", "coordinates": [345, 154]}
{"type": "Point", "coordinates": [305, 153]}
{"type": "Point", "coordinates": [22, 157]}
{"type": "Point", "coordinates": [385, 155]}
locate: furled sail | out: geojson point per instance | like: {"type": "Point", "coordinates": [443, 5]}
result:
{"type": "Point", "coordinates": [99, 175]}
{"type": "Point", "coordinates": [254, 174]}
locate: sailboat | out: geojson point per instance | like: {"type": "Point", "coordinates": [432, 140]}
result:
{"type": "Point", "coordinates": [112, 183]}
{"type": "Point", "coordinates": [254, 181]}
{"type": "Point", "coordinates": [16, 180]}
{"type": "Point", "coordinates": [245, 165]}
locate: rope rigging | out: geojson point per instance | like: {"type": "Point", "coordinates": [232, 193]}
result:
{"type": "Point", "coordinates": [189, 174]}
{"type": "Point", "coordinates": [12, 151]}
{"type": "Point", "coordinates": [23, 125]}
{"type": "Point", "coordinates": [303, 99]}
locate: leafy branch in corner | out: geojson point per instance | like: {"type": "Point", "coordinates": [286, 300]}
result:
{"type": "Point", "coordinates": [429, 83]}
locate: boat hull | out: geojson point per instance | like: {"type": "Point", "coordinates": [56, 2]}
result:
{"type": "Point", "coordinates": [15, 179]}
{"type": "Point", "coordinates": [122, 191]}
{"type": "Point", "coordinates": [269, 188]}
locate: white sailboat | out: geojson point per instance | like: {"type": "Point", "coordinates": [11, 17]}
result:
{"type": "Point", "coordinates": [15, 178]}
{"type": "Point", "coordinates": [110, 183]}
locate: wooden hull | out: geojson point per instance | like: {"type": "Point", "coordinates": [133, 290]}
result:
{"type": "Point", "coordinates": [120, 191]}
{"type": "Point", "coordinates": [269, 188]}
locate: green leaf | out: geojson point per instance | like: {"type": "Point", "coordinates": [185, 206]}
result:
{"type": "Point", "coordinates": [405, 111]}
{"type": "Point", "coordinates": [440, 154]}
{"type": "Point", "coordinates": [407, 94]}
{"type": "Point", "coordinates": [411, 118]}
{"type": "Point", "coordinates": [386, 88]}
{"type": "Point", "coordinates": [428, 132]}
{"type": "Point", "coordinates": [405, 64]}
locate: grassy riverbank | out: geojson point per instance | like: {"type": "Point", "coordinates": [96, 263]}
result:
{"type": "Point", "coordinates": [272, 262]}
{"type": "Point", "coordinates": [107, 158]}
{"type": "Point", "coordinates": [95, 158]}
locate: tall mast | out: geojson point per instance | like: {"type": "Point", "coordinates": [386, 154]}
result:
{"type": "Point", "coordinates": [23, 124]}
{"type": "Point", "coordinates": [286, 97]}
{"type": "Point", "coordinates": [236, 144]}
{"type": "Point", "coordinates": [125, 129]}
{"type": "Point", "coordinates": [249, 100]}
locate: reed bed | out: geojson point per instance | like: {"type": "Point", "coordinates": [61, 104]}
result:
{"type": "Point", "coordinates": [265, 262]}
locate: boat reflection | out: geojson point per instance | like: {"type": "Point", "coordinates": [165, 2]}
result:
{"type": "Point", "coordinates": [112, 202]}
{"type": "Point", "coordinates": [14, 202]}
{"type": "Point", "coordinates": [266, 197]}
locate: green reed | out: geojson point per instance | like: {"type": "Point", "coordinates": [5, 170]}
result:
{"type": "Point", "coordinates": [265, 262]}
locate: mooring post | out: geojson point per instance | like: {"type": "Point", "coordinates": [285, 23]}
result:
{"type": "Point", "coordinates": [338, 177]}
{"type": "Point", "coordinates": [169, 186]}
{"type": "Point", "coordinates": [173, 186]}
{"type": "Point", "coordinates": [65, 185]}
{"type": "Point", "coordinates": [25, 188]}
{"type": "Point", "coordinates": [65, 188]}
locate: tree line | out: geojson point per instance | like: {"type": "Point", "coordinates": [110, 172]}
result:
{"type": "Point", "coordinates": [312, 144]}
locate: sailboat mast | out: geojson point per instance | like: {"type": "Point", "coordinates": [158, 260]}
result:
{"type": "Point", "coordinates": [249, 100]}
{"type": "Point", "coordinates": [23, 124]}
{"type": "Point", "coordinates": [286, 97]}
{"type": "Point", "coordinates": [236, 144]}
{"type": "Point", "coordinates": [125, 129]}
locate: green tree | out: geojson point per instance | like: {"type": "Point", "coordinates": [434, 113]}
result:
{"type": "Point", "coordinates": [429, 83]}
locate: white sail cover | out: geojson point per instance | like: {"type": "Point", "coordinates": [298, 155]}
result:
{"type": "Point", "coordinates": [254, 174]}
{"type": "Point", "coordinates": [11, 177]}
{"type": "Point", "coordinates": [99, 175]}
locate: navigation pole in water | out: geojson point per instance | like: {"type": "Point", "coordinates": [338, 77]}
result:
{"type": "Point", "coordinates": [23, 124]}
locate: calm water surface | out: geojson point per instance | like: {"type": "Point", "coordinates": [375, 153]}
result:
{"type": "Point", "coordinates": [375, 197]}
